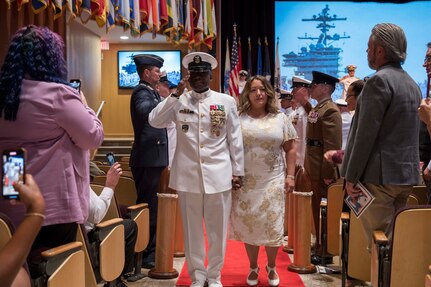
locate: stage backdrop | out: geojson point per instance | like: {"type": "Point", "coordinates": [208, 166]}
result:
{"type": "Point", "coordinates": [328, 36]}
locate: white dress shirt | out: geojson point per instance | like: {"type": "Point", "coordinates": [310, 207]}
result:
{"type": "Point", "coordinates": [98, 207]}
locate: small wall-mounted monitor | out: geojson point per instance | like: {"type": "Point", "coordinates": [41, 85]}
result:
{"type": "Point", "coordinates": [128, 77]}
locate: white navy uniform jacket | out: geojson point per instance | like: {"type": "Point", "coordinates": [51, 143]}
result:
{"type": "Point", "coordinates": [209, 141]}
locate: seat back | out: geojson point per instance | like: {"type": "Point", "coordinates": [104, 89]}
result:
{"type": "Point", "coordinates": [113, 211]}
{"type": "Point", "coordinates": [65, 265]}
{"type": "Point", "coordinates": [125, 192]}
{"type": "Point", "coordinates": [334, 209]}
{"type": "Point", "coordinates": [411, 249]}
{"type": "Point", "coordinates": [140, 213]}
{"type": "Point", "coordinates": [90, 277]}
{"type": "Point", "coordinates": [359, 262]}
{"type": "Point", "coordinates": [420, 192]}
{"type": "Point", "coordinates": [6, 229]}
{"type": "Point", "coordinates": [111, 253]}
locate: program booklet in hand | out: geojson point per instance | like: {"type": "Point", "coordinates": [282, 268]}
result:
{"type": "Point", "coordinates": [362, 202]}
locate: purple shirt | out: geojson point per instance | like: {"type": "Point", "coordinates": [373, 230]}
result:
{"type": "Point", "coordinates": [57, 130]}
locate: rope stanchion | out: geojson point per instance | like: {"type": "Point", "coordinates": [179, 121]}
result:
{"type": "Point", "coordinates": [302, 238]}
{"type": "Point", "coordinates": [167, 208]}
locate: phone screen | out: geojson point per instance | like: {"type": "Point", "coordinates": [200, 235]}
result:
{"type": "Point", "coordinates": [13, 170]}
{"type": "Point", "coordinates": [76, 84]}
{"type": "Point", "coordinates": [111, 158]}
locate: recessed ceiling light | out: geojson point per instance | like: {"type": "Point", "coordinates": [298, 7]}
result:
{"type": "Point", "coordinates": [124, 37]}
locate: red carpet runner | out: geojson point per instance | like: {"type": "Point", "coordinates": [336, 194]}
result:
{"type": "Point", "coordinates": [236, 267]}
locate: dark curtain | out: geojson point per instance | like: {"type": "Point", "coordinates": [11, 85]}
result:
{"type": "Point", "coordinates": [254, 19]}
{"type": "Point", "coordinates": [11, 20]}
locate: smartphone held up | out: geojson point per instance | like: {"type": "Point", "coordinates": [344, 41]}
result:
{"type": "Point", "coordinates": [76, 83]}
{"type": "Point", "coordinates": [111, 158]}
{"type": "Point", "coordinates": [13, 170]}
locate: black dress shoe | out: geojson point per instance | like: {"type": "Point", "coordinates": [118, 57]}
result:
{"type": "Point", "coordinates": [317, 260]}
{"type": "Point", "coordinates": [148, 264]}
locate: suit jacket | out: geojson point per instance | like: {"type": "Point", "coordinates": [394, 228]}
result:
{"type": "Point", "coordinates": [150, 148]}
{"type": "Point", "coordinates": [324, 125]}
{"type": "Point", "coordinates": [209, 141]}
{"type": "Point", "coordinates": [57, 130]}
{"type": "Point", "coordinates": [383, 144]}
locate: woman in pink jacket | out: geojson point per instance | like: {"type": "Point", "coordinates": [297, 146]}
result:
{"type": "Point", "coordinates": [40, 112]}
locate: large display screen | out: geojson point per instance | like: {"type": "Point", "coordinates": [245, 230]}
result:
{"type": "Point", "coordinates": [127, 76]}
{"type": "Point", "coordinates": [328, 36]}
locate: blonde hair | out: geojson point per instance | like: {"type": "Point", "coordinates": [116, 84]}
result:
{"type": "Point", "coordinates": [272, 105]}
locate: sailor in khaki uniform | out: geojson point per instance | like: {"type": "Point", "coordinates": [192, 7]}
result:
{"type": "Point", "coordinates": [208, 162]}
{"type": "Point", "coordinates": [323, 133]}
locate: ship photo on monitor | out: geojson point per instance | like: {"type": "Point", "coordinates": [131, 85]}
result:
{"type": "Point", "coordinates": [128, 78]}
{"type": "Point", "coordinates": [321, 52]}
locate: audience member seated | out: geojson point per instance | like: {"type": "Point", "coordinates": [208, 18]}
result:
{"type": "Point", "coordinates": [42, 113]}
{"type": "Point", "coordinates": [13, 255]}
{"type": "Point", "coordinates": [98, 208]}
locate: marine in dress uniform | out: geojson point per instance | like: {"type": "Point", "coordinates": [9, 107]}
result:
{"type": "Point", "coordinates": [149, 155]}
{"type": "Point", "coordinates": [324, 133]}
{"type": "Point", "coordinates": [208, 160]}
{"type": "Point", "coordinates": [348, 79]}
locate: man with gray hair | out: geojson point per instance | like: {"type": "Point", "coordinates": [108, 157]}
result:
{"type": "Point", "coordinates": [383, 146]}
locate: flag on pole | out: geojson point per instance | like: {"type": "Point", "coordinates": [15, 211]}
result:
{"type": "Point", "coordinates": [239, 55]}
{"type": "Point", "coordinates": [227, 69]}
{"type": "Point", "coordinates": [259, 58]}
{"type": "Point", "coordinates": [266, 63]}
{"type": "Point", "coordinates": [249, 68]}
{"type": "Point", "coordinates": [277, 72]}
{"type": "Point", "coordinates": [233, 79]}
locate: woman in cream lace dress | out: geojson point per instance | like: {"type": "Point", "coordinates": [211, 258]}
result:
{"type": "Point", "coordinates": [258, 207]}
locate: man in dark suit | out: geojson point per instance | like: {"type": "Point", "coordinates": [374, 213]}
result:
{"type": "Point", "coordinates": [149, 155]}
{"type": "Point", "coordinates": [324, 130]}
{"type": "Point", "coordinates": [383, 147]}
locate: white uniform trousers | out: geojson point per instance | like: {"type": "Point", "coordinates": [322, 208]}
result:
{"type": "Point", "coordinates": [214, 209]}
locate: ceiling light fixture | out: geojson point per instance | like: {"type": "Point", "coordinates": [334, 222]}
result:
{"type": "Point", "coordinates": [124, 37]}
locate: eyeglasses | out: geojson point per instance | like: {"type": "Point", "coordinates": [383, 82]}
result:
{"type": "Point", "coordinates": [427, 59]}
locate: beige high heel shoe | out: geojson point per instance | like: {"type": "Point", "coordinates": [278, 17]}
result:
{"type": "Point", "coordinates": [272, 282]}
{"type": "Point", "coordinates": [253, 282]}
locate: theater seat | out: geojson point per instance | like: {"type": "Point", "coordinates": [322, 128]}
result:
{"type": "Point", "coordinates": [62, 266]}
{"type": "Point", "coordinates": [404, 262]}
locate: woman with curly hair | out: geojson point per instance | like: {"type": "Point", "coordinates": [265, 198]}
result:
{"type": "Point", "coordinates": [40, 112]}
{"type": "Point", "coordinates": [258, 208]}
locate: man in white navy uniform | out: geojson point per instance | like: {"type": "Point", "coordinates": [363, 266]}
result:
{"type": "Point", "coordinates": [208, 163]}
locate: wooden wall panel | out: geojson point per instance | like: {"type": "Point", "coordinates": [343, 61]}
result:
{"type": "Point", "coordinates": [83, 61]}
{"type": "Point", "coordinates": [116, 112]}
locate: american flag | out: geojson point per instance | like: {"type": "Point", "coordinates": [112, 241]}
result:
{"type": "Point", "coordinates": [233, 79]}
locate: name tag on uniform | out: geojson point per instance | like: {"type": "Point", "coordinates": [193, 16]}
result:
{"type": "Point", "coordinates": [186, 111]}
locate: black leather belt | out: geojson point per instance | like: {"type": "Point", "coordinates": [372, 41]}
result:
{"type": "Point", "coordinates": [317, 143]}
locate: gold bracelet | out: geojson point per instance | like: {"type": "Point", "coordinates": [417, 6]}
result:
{"type": "Point", "coordinates": [290, 176]}
{"type": "Point", "coordinates": [36, 214]}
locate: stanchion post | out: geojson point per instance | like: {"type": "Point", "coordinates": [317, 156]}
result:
{"type": "Point", "coordinates": [166, 212]}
